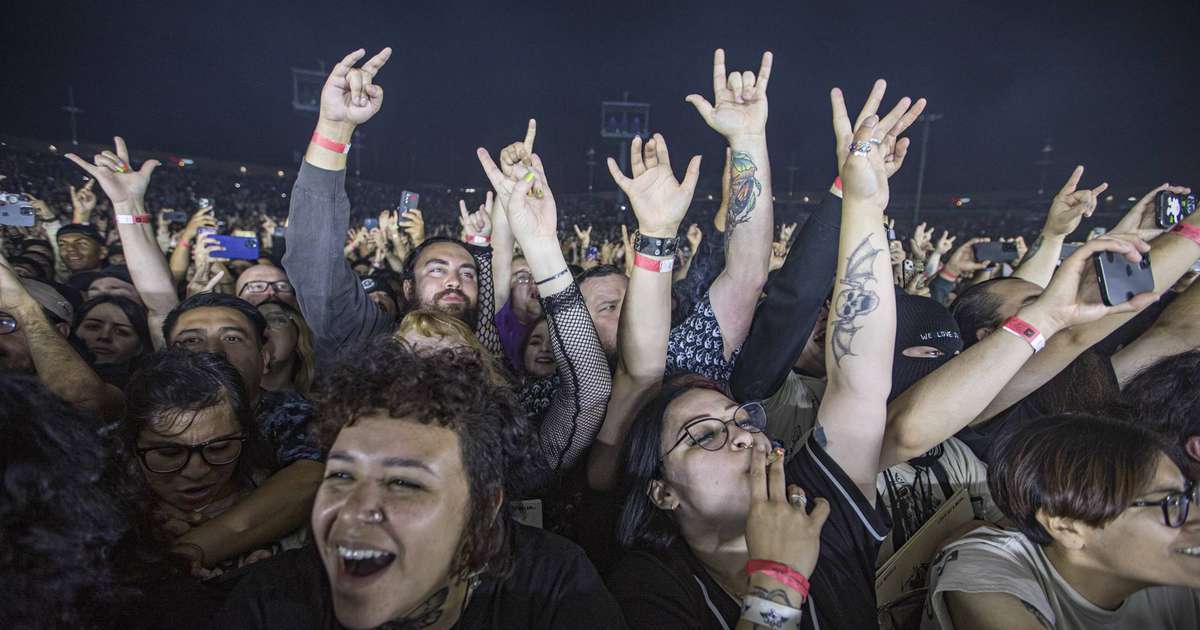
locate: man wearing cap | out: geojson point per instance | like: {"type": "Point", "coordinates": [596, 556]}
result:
{"type": "Point", "coordinates": [34, 322]}
{"type": "Point", "coordinates": [81, 247]}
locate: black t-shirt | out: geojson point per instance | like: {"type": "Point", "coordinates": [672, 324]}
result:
{"type": "Point", "coordinates": [552, 585]}
{"type": "Point", "coordinates": [671, 589]}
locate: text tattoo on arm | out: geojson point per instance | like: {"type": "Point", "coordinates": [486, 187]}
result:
{"type": "Point", "coordinates": [744, 188]}
{"type": "Point", "coordinates": [857, 299]}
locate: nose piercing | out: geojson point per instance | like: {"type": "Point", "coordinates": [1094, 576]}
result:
{"type": "Point", "coordinates": [375, 516]}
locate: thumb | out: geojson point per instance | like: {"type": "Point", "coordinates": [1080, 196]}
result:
{"type": "Point", "coordinates": [702, 106]}
{"type": "Point", "coordinates": [820, 512]}
{"type": "Point", "coordinates": [148, 167]}
{"type": "Point", "coordinates": [617, 175]}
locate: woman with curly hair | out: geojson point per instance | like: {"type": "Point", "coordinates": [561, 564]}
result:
{"type": "Point", "coordinates": [412, 524]}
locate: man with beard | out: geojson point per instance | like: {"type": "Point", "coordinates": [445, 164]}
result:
{"type": "Point", "coordinates": [440, 274]}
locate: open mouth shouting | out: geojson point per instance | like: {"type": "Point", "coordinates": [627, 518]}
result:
{"type": "Point", "coordinates": [357, 561]}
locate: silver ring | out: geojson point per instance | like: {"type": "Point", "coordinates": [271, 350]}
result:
{"type": "Point", "coordinates": [860, 148]}
{"type": "Point", "coordinates": [375, 516]}
{"type": "Point", "coordinates": [875, 141]}
{"type": "Point", "coordinates": [798, 500]}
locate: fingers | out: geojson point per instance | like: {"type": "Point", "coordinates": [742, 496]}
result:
{"type": "Point", "coordinates": [1072, 181]}
{"type": "Point", "coordinates": [92, 181]}
{"type": "Point", "coordinates": [910, 117]}
{"type": "Point", "coordinates": [703, 107]}
{"type": "Point", "coordinates": [500, 183]}
{"type": "Point", "coordinates": [691, 177]}
{"type": "Point", "coordinates": [636, 159]}
{"type": "Point", "coordinates": [214, 281]}
{"type": "Point", "coordinates": [863, 133]}
{"type": "Point", "coordinates": [355, 77]}
{"type": "Point", "coordinates": [735, 86]}
{"type": "Point", "coordinates": [842, 129]}
{"type": "Point", "coordinates": [348, 62]}
{"type": "Point", "coordinates": [543, 186]}
{"type": "Point", "coordinates": [758, 469]}
{"type": "Point", "coordinates": [122, 150]}
{"type": "Point", "coordinates": [718, 71]}
{"type": "Point", "coordinates": [776, 484]}
{"type": "Point", "coordinates": [614, 170]}
{"type": "Point", "coordinates": [464, 217]}
{"type": "Point", "coordinates": [898, 155]}
{"type": "Point", "coordinates": [530, 134]}
{"type": "Point", "coordinates": [660, 150]}
{"type": "Point", "coordinates": [873, 100]}
{"type": "Point", "coordinates": [820, 512]}
{"type": "Point", "coordinates": [889, 121]}
{"type": "Point", "coordinates": [375, 63]}
{"type": "Point", "coordinates": [748, 86]}
{"type": "Point", "coordinates": [764, 72]}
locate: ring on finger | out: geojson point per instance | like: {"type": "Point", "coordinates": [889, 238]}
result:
{"type": "Point", "coordinates": [798, 500]}
{"type": "Point", "coordinates": [860, 148]}
{"type": "Point", "coordinates": [875, 141]}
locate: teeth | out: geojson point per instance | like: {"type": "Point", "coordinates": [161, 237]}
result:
{"type": "Point", "coordinates": [360, 554]}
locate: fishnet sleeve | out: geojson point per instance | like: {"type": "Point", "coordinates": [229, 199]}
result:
{"type": "Point", "coordinates": [485, 327]}
{"type": "Point", "coordinates": [584, 383]}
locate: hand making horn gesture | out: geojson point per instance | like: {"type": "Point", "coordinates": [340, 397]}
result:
{"type": "Point", "coordinates": [120, 182]}
{"type": "Point", "coordinates": [350, 97]}
{"type": "Point", "coordinates": [739, 106]}
{"type": "Point", "coordinates": [868, 152]}
{"type": "Point", "coordinates": [659, 200]}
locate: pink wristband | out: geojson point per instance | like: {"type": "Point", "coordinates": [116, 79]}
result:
{"type": "Point", "coordinates": [1026, 331]}
{"type": "Point", "coordinates": [326, 143]}
{"type": "Point", "coordinates": [781, 573]}
{"type": "Point", "coordinates": [1190, 232]}
{"type": "Point", "coordinates": [653, 264]}
{"type": "Point", "coordinates": [133, 218]}
{"type": "Point", "coordinates": [479, 239]}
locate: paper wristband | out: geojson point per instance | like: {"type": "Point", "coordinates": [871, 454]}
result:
{"type": "Point", "coordinates": [1190, 232]}
{"type": "Point", "coordinates": [837, 182]}
{"type": "Point", "coordinates": [653, 264]}
{"type": "Point", "coordinates": [768, 614]}
{"type": "Point", "coordinates": [133, 218]}
{"type": "Point", "coordinates": [1024, 330]}
{"type": "Point", "coordinates": [479, 239]}
{"type": "Point", "coordinates": [781, 573]}
{"type": "Point", "coordinates": [326, 143]}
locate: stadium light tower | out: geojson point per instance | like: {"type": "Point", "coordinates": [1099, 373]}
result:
{"type": "Point", "coordinates": [623, 121]}
{"type": "Point", "coordinates": [73, 112]}
{"type": "Point", "coordinates": [1047, 150]}
{"type": "Point", "coordinates": [929, 120]}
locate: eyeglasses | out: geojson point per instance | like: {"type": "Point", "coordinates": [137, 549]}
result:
{"type": "Point", "coordinates": [277, 320]}
{"type": "Point", "coordinates": [260, 286]}
{"type": "Point", "coordinates": [522, 278]}
{"type": "Point", "coordinates": [1175, 505]}
{"type": "Point", "coordinates": [168, 459]}
{"type": "Point", "coordinates": [712, 434]}
{"type": "Point", "coordinates": [8, 323]}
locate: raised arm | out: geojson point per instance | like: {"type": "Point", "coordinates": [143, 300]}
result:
{"type": "Point", "coordinates": [334, 303]}
{"type": "Point", "coordinates": [1176, 330]}
{"type": "Point", "coordinates": [862, 319]}
{"type": "Point", "coordinates": [1067, 209]}
{"type": "Point", "coordinates": [739, 113]}
{"type": "Point", "coordinates": [947, 400]}
{"type": "Point", "coordinates": [126, 189]}
{"type": "Point", "coordinates": [577, 411]}
{"type": "Point", "coordinates": [502, 237]}
{"type": "Point", "coordinates": [660, 202]}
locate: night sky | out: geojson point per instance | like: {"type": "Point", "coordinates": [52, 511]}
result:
{"type": "Point", "coordinates": [1114, 86]}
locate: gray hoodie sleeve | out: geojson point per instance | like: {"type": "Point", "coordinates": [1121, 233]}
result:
{"type": "Point", "coordinates": [334, 304]}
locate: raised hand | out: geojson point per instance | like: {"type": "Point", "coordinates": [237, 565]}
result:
{"type": "Point", "coordinates": [530, 217]}
{"type": "Point", "coordinates": [785, 232]}
{"type": "Point", "coordinates": [83, 202]}
{"type": "Point", "coordinates": [921, 241]}
{"type": "Point", "coordinates": [1070, 205]}
{"type": "Point", "coordinates": [945, 243]}
{"type": "Point", "coordinates": [518, 152]}
{"type": "Point", "coordinates": [868, 151]}
{"type": "Point", "coordinates": [413, 225]}
{"type": "Point", "coordinates": [120, 182]}
{"type": "Point", "coordinates": [350, 97]}
{"type": "Point", "coordinates": [658, 199]}
{"type": "Point", "coordinates": [739, 107]}
{"type": "Point", "coordinates": [1073, 295]}
{"type": "Point", "coordinates": [962, 262]}
{"type": "Point", "coordinates": [476, 226]}
{"type": "Point", "coordinates": [584, 236]}
{"type": "Point", "coordinates": [1140, 219]}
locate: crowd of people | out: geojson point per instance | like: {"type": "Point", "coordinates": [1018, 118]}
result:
{"type": "Point", "coordinates": [512, 422]}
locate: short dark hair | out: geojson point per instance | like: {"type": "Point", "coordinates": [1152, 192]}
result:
{"type": "Point", "coordinates": [134, 312]}
{"type": "Point", "coordinates": [498, 447]}
{"type": "Point", "coordinates": [1165, 397]}
{"type": "Point", "coordinates": [975, 308]}
{"type": "Point", "coordinates": [1081, 467]}
{"type": "Point", "coordinates": [641, 523]}
{"type": "Point", "coordinates": [77, 534]}
{"type": "Point", "coordinates": [599, 271]}
{"type": "Point", "coordinates": [218, 300]}
{"type": "Point", "coordinates": [410, 263]}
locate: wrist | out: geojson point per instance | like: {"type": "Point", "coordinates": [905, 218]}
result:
{"type": "Point", "coordinates": [665, 230]}
{"type": "Point", "coordinates": [1040, 317]}
{"type": "Point", "coordinates": [746, 141]}
{"type": "Point", "coordinates": [338, 131]}
{"type": "Point", "coordinates": [766, 582]}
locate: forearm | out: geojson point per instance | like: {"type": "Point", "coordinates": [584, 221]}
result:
{"type": "Point", "coordinates": [485, 328]}
{"type": "Point", "coordinates": [795, 295]}
{"type": "Point", "coordinates": [275, 509]}
{"type": "Point", "coordinates": [1175, 331]}
{"type": "Point", "coordinates": [933, 264]}
{"type": "Point", "coordinates": [180, 259]}
{"type": "Point", "coordinates": [1042, 259]}
{"type": "Point", "coordinates": [62, 370]}
{"type": "Point", "coordinates": [502, 255]}
{"type": "Point", "coordinates": [147, 266]}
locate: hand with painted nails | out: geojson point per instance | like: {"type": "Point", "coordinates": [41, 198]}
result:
{"type": "Point", "coordinates": [869, 151]}
{"type": "Point", "coordinates": [120, 182]}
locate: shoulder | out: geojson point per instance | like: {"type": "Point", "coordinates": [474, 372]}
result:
{"type": "Point", "coordinates": [989, 560]}
{"type": "Point", "coordinates": [289, 587]}
{"type": "Point", "coordinates": [659, 589]}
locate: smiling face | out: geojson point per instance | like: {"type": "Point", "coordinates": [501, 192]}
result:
{"type": "Point", "coordinates": [445, 279]}
{"type": "Point", "coordinates": [198, 483]}
{"type": "Point", "coordinates": [539, 354]}
{"type": "Point", "coordinates": [79, 252]}
{"type": "Point", "coordinates": [107, 332]}
{"type": "Point", "coordinates": [603, 296]}
{"type": "Point", "coordinates": [389, 517]}
{"type": "Point", "coordinates": [710, 487]}
{"type": "Point", "coordinates": [1138, 546]}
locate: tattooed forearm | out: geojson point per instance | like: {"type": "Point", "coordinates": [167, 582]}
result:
{"type": "Point", "coordinates": [777, 595]}
{"type": "Point", "coordinates": [857, 299]}
{"type": "Point", "coordinates": [1033, 249]}
{"type": "Point", "coordinates": [744, 189]}
{"type": "Point", "coordinates": [425, 615]}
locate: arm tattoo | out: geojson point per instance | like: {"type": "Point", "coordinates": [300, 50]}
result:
{"type": "Point", "coordinates": [777, 595]}
{"type": "Point", "coordinates": [1038, 615]}
{"type": "Point", "coordinates": [856, 300]}
{"type": "Point", "coordinates": [425, 615]}
{"type": "Point", "coordinates": [1033, 249]}
{"type": "Point", "coordinates": [744, 189]}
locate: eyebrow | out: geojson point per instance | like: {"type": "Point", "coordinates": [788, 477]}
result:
{"type": "Point", "coordinates": [154, 443]}
{"type": "Point", "coordinates": [390, 462]}
{"type": "Point", "coordinates": [704, 416]}
{"type": "Point", "coordinates": [443, 261]}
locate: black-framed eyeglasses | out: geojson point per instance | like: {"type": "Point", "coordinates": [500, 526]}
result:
{"type": "Point", "coordinates": [8, 323]}
{"type": "Point", "coordinates": [1175, 505]}
{"type": "Point", "coordinates": [260, 286]}
{"type": "Point", "coordinates": [221, 451]}
{"type": "Point", "coordinates": [277, 320]}
{"type": "Point", "coordinates": [712, 434]}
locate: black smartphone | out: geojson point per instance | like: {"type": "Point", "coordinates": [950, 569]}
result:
{"type": "Point", "coordinates": [408, 201]}
{"type": "Point", "coordinates": [1173, 208]}
{"type": "Point", "coordinates": [995, 252]}
{"type": "Point", "coordinates": [1120, 279]}
{"type": "Point", "coordinates": [177, 216]}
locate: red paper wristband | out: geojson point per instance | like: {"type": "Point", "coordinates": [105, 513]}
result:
{"type": "Point", "coordinates": [326, 143]}
{"type": "Point", "coordinates": [947, 276]}
{"type": "Point", "coordinates": [653, 264]}
{"type": "Point", "coordinates": [1026, 331]}
{"type": "Point", "coordinates": [781, 573]}
{"type": "Point", "coordinates": [133, 218]}
{"type": "Point", "coordinates": [479, 239]}
{"type": "Point", "coordinates": [837, 182]}
{"type": "Point", "coordinates": [1190, 232]}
